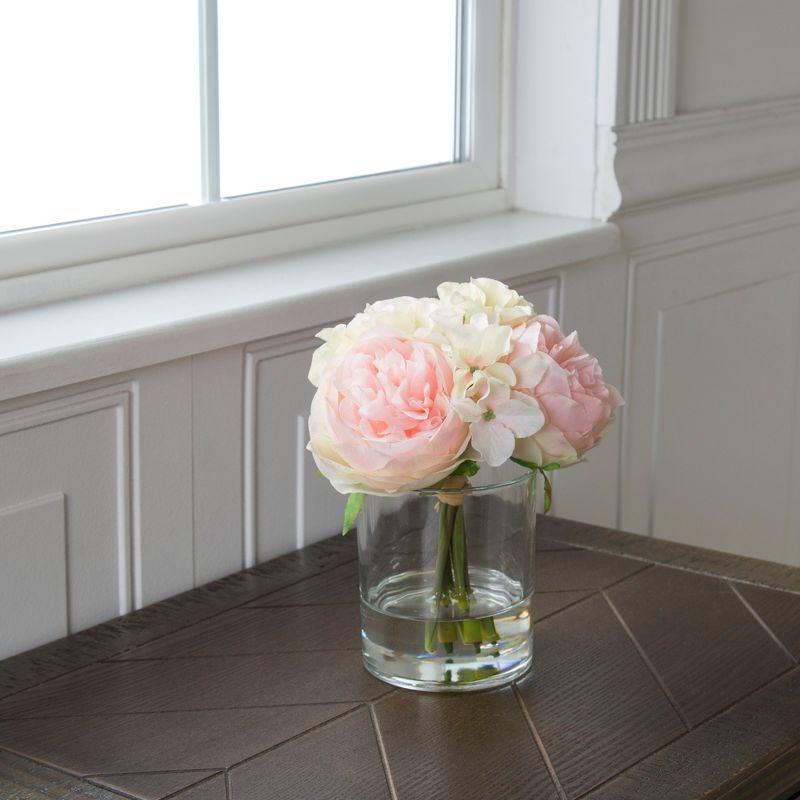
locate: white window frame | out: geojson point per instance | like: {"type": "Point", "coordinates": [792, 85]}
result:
{"type": "Point", "coordinates": [403, 198]}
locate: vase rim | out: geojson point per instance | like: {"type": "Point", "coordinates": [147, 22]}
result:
{"type": "Point", "coordinates": [526, 475]}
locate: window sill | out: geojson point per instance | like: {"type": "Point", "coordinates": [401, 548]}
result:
{"type": "Point", "coordinates": [87, 337]}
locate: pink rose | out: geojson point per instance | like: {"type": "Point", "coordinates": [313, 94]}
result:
{"type": "Point", "coordinates": [381, 421]}
{"type": "Point", "coordinates": [568, 384]}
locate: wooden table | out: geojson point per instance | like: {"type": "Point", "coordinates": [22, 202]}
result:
{"type": "Point", "coordinates": [661, 671]}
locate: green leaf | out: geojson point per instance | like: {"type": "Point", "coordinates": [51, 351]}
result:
{"type": "Point", "coordinates": [548, 486]}
{"type": "Point", "coordinates": [468, 468]}
{"type": "Point", "coordinates": [351, 510]}
{"type": "Point", "coordinates": [528, 464]}
{"type": "Point", "coordinates": [548, 492]}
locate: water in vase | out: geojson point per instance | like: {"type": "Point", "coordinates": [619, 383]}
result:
{"type": "Point", "coordinates": [411, 640]}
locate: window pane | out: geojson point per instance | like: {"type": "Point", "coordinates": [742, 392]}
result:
{"type": "Point", "coordinates": [319, 90]}
{"type": "Point", "coordinates": [100, 108]}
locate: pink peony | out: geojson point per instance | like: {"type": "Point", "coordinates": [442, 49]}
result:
{"type": "Point", "coordinates": [568, 384]}
{"type": "Point", "coordinates": [381, 421]}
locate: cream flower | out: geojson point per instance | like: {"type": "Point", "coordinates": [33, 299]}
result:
{"type": "Point", "coordinates": [472, 344]}
{"type": "Point", "coordinates": [497, 415]}
{"type": "Point", "coordinates": [485, 296]}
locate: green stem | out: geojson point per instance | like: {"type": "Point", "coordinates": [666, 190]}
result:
{"type": "Point", "coordinates": [452, 586]}
{"type": "Point", "coordinates": [458, 560]}
{"type": "Point", "coordinates": [441, 574]}
{"type": "Point", "coordinates": [489, 631]}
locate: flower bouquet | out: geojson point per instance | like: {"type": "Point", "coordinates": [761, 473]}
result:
{"type": "Point", "coordinates": [420, 402]}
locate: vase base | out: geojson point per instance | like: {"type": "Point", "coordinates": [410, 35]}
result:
{"type": "Point", "coordinates": [477, 684]}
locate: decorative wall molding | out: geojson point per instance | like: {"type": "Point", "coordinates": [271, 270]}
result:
{"type": "Point", "coordinates": [667, 248]}
{"type": "Point", "coordinates": [674, 247]}
{"type": "Point", "coordinates": [255, 354]}
{"type": "Point", "coordinates": [123, 398]}
{"type": "Point", "coordinates": [706, 151]}
{"type": "Point", "coordinates": [652, 57]}
{"type": "Point", "coordinates": [641, 518]}
{"type": "Point", "coordinates": [692, 126]}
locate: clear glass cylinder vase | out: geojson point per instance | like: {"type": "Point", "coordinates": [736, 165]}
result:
{"type": "Point", "coordinates": [446, 581]}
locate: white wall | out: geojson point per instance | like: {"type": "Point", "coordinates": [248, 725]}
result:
{"type": "Point", "coordinates": [737, 51]}
{"type": "Point", "coordinates": [127, 489]}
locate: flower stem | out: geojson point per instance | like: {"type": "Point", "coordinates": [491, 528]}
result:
{"type": "Point", "coordinates": [441, 574]}
{"type": "Point", "coordinates": [458, 560]}
{"type": "Point", "coordinates": [452, 588]}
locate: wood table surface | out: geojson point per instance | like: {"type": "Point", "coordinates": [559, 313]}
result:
{"type": "Point", "coordinates": [660, 671]}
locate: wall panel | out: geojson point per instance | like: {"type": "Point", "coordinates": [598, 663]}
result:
{"type": "Point", "coordinates": [711, 437]}
{"type": "Point", "coordinates": [78, 445]}
{"type": "Point", "coordinates": [217, 458]}
{"type": "Point", "coordinates": [118, 453]}
{"type": "Point", "coordinates": [737, 51]}
{"type": "Point", "coordinates": [593, 303]}
{"type": "Point", "coordinates": [287, 502]}
{"type": "Point", "coordinates": [33, 574]}
{"type": "Point", "coordinates": [163, 458]}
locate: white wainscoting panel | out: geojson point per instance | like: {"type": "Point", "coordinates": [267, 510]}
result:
{"type": "Point", "coordinates": [118, 450]}
{"type": "Point", "coordinates": [217, 453]}
{"type": "Point", "coordinates": [79, 446]}
{"type": "Point", "coordinates": [711, 453]}
{"type": "Point", "coordinates": [288, 504]}
{"type": "Point", "coordinates": [163, 511]}
{"type": "Point", "coordinates": [33, 574]}
{"type": "Point", "coordinates": [590, 297]}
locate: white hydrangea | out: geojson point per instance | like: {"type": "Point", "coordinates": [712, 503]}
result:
{"type": "Point", "coordinates": [485, 297]}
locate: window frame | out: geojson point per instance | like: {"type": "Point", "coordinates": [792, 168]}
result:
{"type": "Point", "coordinates": [129, 236]}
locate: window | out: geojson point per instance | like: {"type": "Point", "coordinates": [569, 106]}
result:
{"type": "Point", "coordinates": [242, 128]}
{"type": "Point", "coordinates": [118, 106]}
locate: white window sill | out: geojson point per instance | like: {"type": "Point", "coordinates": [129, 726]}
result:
{"type": "Point", "coordinates": [87, 337]}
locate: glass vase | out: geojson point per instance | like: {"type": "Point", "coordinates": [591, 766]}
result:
{"type": "Point", "coordinates": [446, 579]}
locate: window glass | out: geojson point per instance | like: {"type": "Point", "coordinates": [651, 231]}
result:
{"type": "Point", "coordinates": [99, 108]}
{"type": "Point", "coordinates": [314, 90]}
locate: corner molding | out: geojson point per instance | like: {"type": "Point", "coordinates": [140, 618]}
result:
{"type": "Point", "coordinates": [707, 150]}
